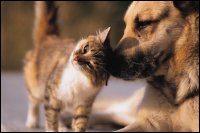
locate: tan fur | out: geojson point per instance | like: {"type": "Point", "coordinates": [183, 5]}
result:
{"type": "Point", "coordinates": [171, 99]}
{"type": "Point", "coordinates": [156, 112]}
{"type": "Point", "coordinates": [45, 22]}
{"type": "Point", "coordinates": [185, 49]}
{"type": "Point", "coordinates": [33, 90]}
{"type": "Point", "coordinates": [30, 75]}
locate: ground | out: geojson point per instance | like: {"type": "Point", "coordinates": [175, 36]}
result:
{"type": "Point", "coordinates": [14, 100]}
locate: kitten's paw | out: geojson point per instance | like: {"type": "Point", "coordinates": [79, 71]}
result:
{"type": "Point", "coordinates": [63, 129]}
{"type": "Point", "coordinates": [32, 124]}
{"type": "Point", "coordinates": [79, 129]}
{"type": "Point", "coordinates": [50, 131]}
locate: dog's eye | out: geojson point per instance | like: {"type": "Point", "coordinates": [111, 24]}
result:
{"type": "Point", "coordinates": [85, 49]}
{"type": "Point", "coordinates": [142, 24]}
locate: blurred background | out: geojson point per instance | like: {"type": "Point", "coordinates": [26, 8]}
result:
{"type": "Point", "coordinates": [76, 20]}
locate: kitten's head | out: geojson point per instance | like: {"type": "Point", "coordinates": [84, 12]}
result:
{"type": "Point", "coordinates": [91, 57]}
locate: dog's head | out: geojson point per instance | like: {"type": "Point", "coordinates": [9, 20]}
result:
{"type": "Point", "coordinates": [152, 29]}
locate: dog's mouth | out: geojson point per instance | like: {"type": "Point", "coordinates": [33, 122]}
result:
{"type": "Point", "coordinates": [134, 66]}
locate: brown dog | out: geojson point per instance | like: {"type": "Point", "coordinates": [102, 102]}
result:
{"type": "Point", "coordinates": [161, 43]}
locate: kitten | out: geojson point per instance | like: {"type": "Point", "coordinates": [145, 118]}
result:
{"type": "Point", "coordinates": [61, 74]}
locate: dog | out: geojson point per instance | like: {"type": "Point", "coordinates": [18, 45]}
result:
{"type": "Point", "coordinates": [161, 45]}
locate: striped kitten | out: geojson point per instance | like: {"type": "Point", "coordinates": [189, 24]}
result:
{"type": "Point", "coordinates": [61, 74]}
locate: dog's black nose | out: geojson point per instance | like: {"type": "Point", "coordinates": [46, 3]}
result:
{"type": "Point", "coordinates": [127, 43]}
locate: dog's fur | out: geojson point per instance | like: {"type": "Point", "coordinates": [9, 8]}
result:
{"type": "Point", "coordinates": [161, 44]}
{"type": "Point", "coordinates": [165, 50]}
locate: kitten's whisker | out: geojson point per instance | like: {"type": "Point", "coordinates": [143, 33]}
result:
{"type": "Point", "coordinates": [99, 63]}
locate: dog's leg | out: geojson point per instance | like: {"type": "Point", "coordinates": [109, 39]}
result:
{"type": "Point", "coordinates": [105, 118]}
{"type": "Point", "coordinates": [136, 127]}
{"type": "Point", "coordinates": [120, 113]}
{"type": "Point", "coordinates": [147, 125]}
{"type": "Point", "coordinates": [111, 116]}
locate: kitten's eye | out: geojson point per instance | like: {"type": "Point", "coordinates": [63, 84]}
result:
{"type": "Point", "coordinates": [89, 64]}
{"type": "Point", "coordinates": [86, 48]}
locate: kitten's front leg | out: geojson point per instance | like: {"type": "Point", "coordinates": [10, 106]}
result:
{"type": "Point", "coordinates": [52, 110]}
{"type": "Point", "coordinates": [80, 118]}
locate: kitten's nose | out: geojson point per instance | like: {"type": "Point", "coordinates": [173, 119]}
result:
{"type": "Point", "coordinates": [76, 58]}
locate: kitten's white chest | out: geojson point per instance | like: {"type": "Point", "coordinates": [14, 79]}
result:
{"type": "Point", "coordinates": [74, 86]}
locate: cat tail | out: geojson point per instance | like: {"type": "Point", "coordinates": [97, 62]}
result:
{"type": "Point", "coordinates": [45, 20]}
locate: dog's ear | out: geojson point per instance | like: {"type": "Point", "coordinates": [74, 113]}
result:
{"type": "Point", "coordinates": [186, 7]}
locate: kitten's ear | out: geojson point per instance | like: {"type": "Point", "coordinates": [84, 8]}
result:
{"type": "Point", "coordinates": [104, 36]}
